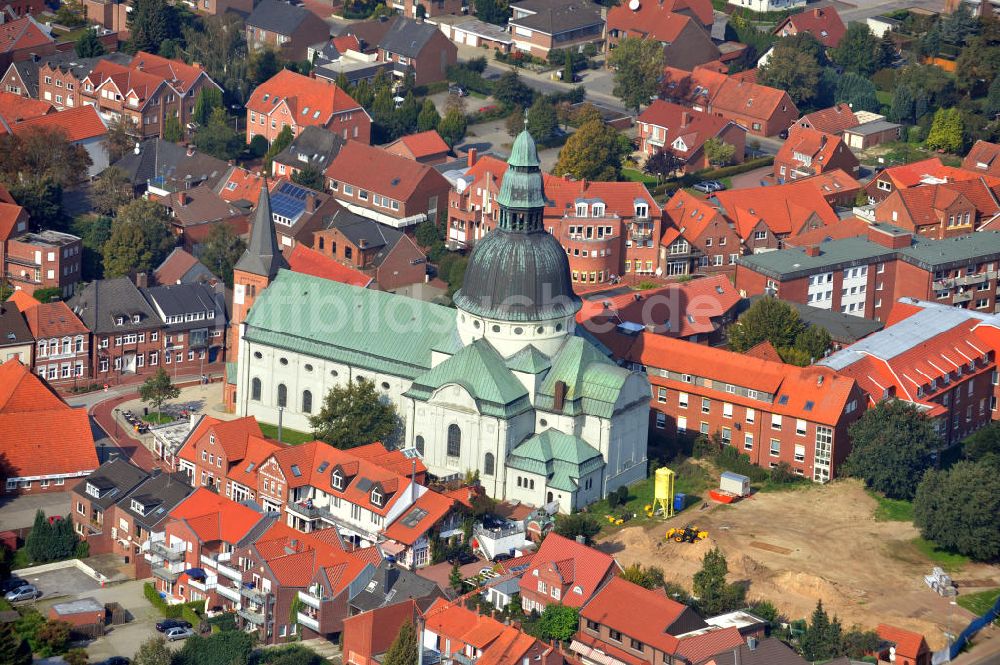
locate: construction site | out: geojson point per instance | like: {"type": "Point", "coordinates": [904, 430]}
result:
{"type": "Point", "coordinates": [813, 543]}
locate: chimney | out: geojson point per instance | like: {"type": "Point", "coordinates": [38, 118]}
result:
{"type": "Point", "coordinates": [413, 480]}
{"type": "Point", "coordinates": [310, 203]}
{"type": "Point", "coordinates": [817, 12]}
{"type": "Point", "coordinates": [472, 155]}
{"type": "Point", "coordinates": [362, 243]}
{"type": "Point", "coordinates": [812, 250]}
{"type": "Point", "coordinates": [685, 119]}
{"type": "Point", "coordinates": [141, 280]}
{"type": "Point", "coordinates": [192, 419]}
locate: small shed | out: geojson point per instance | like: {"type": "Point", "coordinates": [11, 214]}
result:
{"type": "Point", "coordinates": [80, 612]}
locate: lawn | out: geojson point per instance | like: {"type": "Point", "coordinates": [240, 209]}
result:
{"type": "Point", "coordinates": [635, 175]}
{"type": "Point", "coordinates": [892, 510]}
{"type": "Point", "coordinates": [691, 480]}
{"type": "Point", "coordinates": [883, 97]}
{"type": "Point", "coordinates": [154, 418]}
{"type": "Point", "coordinates": [950, 561]}
{"type": "Point", "coordinates": [979, 603]}
{"type": "Point", "coordinates": [290, 436]}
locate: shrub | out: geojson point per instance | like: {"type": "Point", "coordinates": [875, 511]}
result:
{"type": "Point", "coordinates": [612, 500]}
{"type": "Point", "coordinates": [623, 494]}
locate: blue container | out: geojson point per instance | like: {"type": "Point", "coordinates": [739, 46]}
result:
{"type": "Point", "coordinates": [679, 501]}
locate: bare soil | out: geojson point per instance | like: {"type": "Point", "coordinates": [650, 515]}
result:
{"type": "Point", "coordinates": [815, 543]}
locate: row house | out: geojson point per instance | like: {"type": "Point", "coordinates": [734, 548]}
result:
{"type": "Point", "coordinates": [866, 274]}
{"type": "Point", "coordinates": [682, 132]}
{"type": "Point", "coordinates": [93, 500]}
{"type": "Point", "coordinates": [768, 410]}
{"type": "Point", "coordinates": [929, 171]}
{"type": "Point", "coordinates": [324, 605]}
{"type": "Point", "coordinates": [62, 342]}
{"type": "Point", "coordinates": [681, 28]}
{"type": "Point", "coordinates": [43, 260]}
{"type": "Point", "coordinates": [564, 572]}
{"type": "Point", "coordinates": [388, 188]}
{"type": "Point", "coordinates": [541, 26]}
{"type": "Point", "coordinates": [194, 318]}
{"type": "Point", "coordinates": [762, 110]}
{"type": "Point", "coordinates": [940, 358]}
{"type": "Point", "coordinates": [697, 238]}
{"type": "Point", "coordinates": [217, 450]}
{"type": "Point", "coordinates": [418, 48]}
{"type": "Point", "coordinates": [608, 229]}
{"type": "Point", "coordinates": [945, 210]}
{"type": "Point", "coordinates": [297, 101]}
{"type": "Point", "coordinates": [808, 152]}
{"type": "Point", "coordinates": [839, 189]}
{"type": "Point", "coordinates": [24, 38]}
{"type": "Point", "coordinates": [60, 77]}
{"type": "Point", "coordinates": [145, 92]}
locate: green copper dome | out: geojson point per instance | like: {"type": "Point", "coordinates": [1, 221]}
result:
{"type": "Point", "coordinates": [519, 272]}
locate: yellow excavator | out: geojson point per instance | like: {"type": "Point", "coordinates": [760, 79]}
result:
{"type": "Point", "coordinates": [688, 534]}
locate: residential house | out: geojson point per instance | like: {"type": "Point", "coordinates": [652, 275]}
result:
{"type": "Point", "coordinates": [407, 539]}
{"type": "Point", "coordinates": [196, 211]}
{"type": "Point", "coordinates": [124, 326]}
{"type": "Point", "coordinates": [838, 188]}
{"type": "Point", "coordinates": [16, 342]}
{"type": "Point", "coordinates": [390, 189]}
{"type": "Point", "coordinates": [240, 187]}
{"type": "Point", "coordinates": [43, 260]}
{"type": "Point", "coordinates": [313, 148]}
{"type": "Point", "coordinates": [80, 126]}
{"type": "Point", "coordinates": [925, 172]}
{"type": "Point", "coordinates": [566, 572]}
{"type": "Point", "coordinates": [823, 23]}
{"type": "Point", "coordinates": [298, 212]}
{"type": "Point", "coordinates": [15, 108]}
{"type": "Point", "coordinates": [417, 47]}
{"type": "Point", "coordinates": [833, 120]}
{"type": "Point", "coordinates": [146, 92]}
{"type": "Point", "coordinates": [323, 609]}
{"type": "Point", "coordinates": [160, 167]}
{"type": "Point", "coordinates": [680, 26]}
{"type": "Point", "coordinates": [431, 8]}
{"type": "Point", "coordinates": [942, 211]}
{"type": "Point", "coordinates": [22, 37]}
{"type": "Point", "coordinates": [983, 158]}
{"type": "Point", "coordinates": [181, 267]}
{"type": "Point", "coordinates": [937, 357]}
{"type": "Point", "coordinates": [45, 441]}
{"type": "Point", "coordinates": [291, 99]}
{"type": "Point", "coordinates": [809, 152]}
{"type": "Point", "coordinates": [364, 644]}
{"type": "Point", "coordinates": [698, 311]}
{"type": "Point", "coordinates": [92, 500]}
{"type": "Point", "coordinates": [762, 110]}
{"type": "Point", "coordinates": [58, 79]}
{"type": "Point", "coordinates": [771, 411]}
{"type": "Point", "coordinates": [62, 344]}
{"type": "Point", "coordinates": [392, 584]}
{"type": "Point", "coordinates": [540, 26]}
{"type": "Point", "coordinates": [682, 132]}
{"type": "Point", "coordinates": [424, 147]}
{"type": "Point", "coordinates": [866, 274]}
{"type": "Point", "coordinates": [769, 651]}
{"type": "Point", "coordinates": [907, 647]}
{"type": "Point", "coordinates": [13, 222]}
{"type": "Point", "coordinates": [221, 7]}
{"type": "Point", "coordinates": [214, 449]}
{"type": "Point", "coordinates": [384, 254]}
{"type": "Point", "coordinates": [312, 262]}
{"type": "Point", "coordinates": [286, 28]}
{"type": "Point", "coordinates": [194, 325]}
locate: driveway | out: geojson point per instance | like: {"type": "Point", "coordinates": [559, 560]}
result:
{"type": "Point", "coordinates": [57, 584]}
{"type": "Point", "coordinates": [19, 511]}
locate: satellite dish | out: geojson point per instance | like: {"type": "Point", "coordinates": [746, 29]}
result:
{"type": "Point", "coordinates": [633, 5]}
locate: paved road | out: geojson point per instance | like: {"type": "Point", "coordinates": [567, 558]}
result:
{"type": "Point", "coordinates": [860, 10]}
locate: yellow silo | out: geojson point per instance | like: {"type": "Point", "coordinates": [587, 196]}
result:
{"type": "Point", "coordinates": [663, 490]}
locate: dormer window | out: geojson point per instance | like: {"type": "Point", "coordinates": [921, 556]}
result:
{"type": "Point", "coordinates": [581, 209]}
{"type": "Point", "coordinates": [376, 497]}
{"type": "Point", "coordinates": [138, 507]}
{"type": "Point", "coordinates": [92, 490]}
{"type": "Point", "coordinates": [211, 438]}
{"type": "Point", "coordinates": [598, 210]}
{"type": "Point", "coordinates": [641, 210]}
{"type": "Point", "coordinates": [337, 480]}
{"type": "Point", "coordinates": [120, 320]}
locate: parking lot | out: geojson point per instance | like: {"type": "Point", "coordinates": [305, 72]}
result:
{"type": "Point", "coordinates": [69, 581]}
{"type": "Point", "coordinates": [18, 511]}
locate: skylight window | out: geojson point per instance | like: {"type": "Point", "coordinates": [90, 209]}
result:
{"type": "Point", "coordinates": [296, 471]}
{"type": "Point", "coordinates": [322, 467]}
{"type": "Point", "coordinates": [305, 111]}
{"type": "Point", "coordinates": [316, 114]}
{"type": "Point", "coordinates": [810, 405]}
{"type": "Point", "coordinates": [783, 399]}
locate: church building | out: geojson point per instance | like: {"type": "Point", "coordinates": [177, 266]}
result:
{"type": "Point", "coordinates": [504, 383]}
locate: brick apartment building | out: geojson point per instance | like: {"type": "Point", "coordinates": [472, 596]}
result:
{"type": "Point", "coordinates": [770, 411]}
{"type": "Point", "coordinates": [539, 26]}
{"type": "Point", "coordinates": [925, 172]}
{"type": "Point", "coordinates": [92, 501]}
{"type": "Point", "coordinates": [44, 260]}
{"type": "Point", "coordinates": [62, 345]}
{"type": "Point", "coordinates": [867, 274]}
{"type": "Point", "coordinates": [58, 79]}
{"type": "Point", "coordinates": [194, 325]}
{"type": "Point", "coordinates": [146, 91]}
{"type": "Point", "coordinates": [697, 238]}
{"type": "Point", "coordinates": [943, 211]}
{"type": "Point", "coordinates": [288, 98]}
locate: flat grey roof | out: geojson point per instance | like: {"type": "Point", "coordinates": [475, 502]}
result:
{"type": "Point", "coordinates": [78, 606]}
{"type": "Point", "coordinates": [873, 127]}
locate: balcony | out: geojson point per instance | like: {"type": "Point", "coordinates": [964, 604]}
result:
{"type": "Point", "coordinates": [231, 573]}
{"type": "Point", "coordinates": [228, 592]}
{"type": "Point", "coordinates": [255, 595]}
{"type": "Point", "coordinates": [308, 599]}
{"type": "Point", "coordinates": [210, 583]}
{"type": "Point", "coordinates": [212, 560]}
{"type": "Point", "coordinates": [307, 621]}
{"type": "Point", "coordinates": [962, 297]}
{"type": "Point", "coordinates": [252, 617]}
{"type": "Point", "coordinates": [167, 574]}
{"type": "Point", "coordinates": [169, 553]}
{"type": "Point", "coordinates": [311, 513]}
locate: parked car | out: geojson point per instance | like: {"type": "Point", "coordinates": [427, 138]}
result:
{"type": "Point", "coordinates": [462, 558]}
{"type": "Point", "coordinates": [457, 90]}
{"type": "Point", "coordinates": [27, 592]}
{"type": "Point", "coordinates": [117, 660]}
{"type": "Point", "coordinates": [178, 634]}
{"type": "Point", "coordinates": [503, 556]}
{"type": "Point", "coordinates": [709, 186]}
{"type": "Point", "coordinates": [13, 583]}
{"type": "Point", "coordinates": [168, 624]}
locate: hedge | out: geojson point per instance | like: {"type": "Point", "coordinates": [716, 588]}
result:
{"type": "Point", "coordinates": [187, 611]}
{"type": "Point", "coordinates": [736, 169]}
{"type": "Point", "coordinates": [470, 80]}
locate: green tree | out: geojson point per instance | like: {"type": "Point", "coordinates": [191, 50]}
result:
{"type": "Point", "coordinates": [638, 66]}
{"type": "Point", "coordinates": [150, 23]}
{"type": "Point", "coordinates": [515, 121]}
{"type": "Point", "coordinates": [172, 130]}
{"type": "Point", "coordinates": [13, 648]}
{"type": "Point", "coordinates": [111, 191]}
{"type": "Point", "coordinates": [427, 234]}
{"type": "Point", "coordinates": [858, 91]}
{"type": "Point", "coordinates": [978, 64]}
{"type": "Point", "coordinates": [220, 252]}
{"type": "Point", "coordinates": [157, 389]}
{"type": "Point", "coordinates": [859, 51]}
{"type": "Point", "coordinates": [264, 64]}
{"type": "Point", "coordinates": [903, 104]}
{"type": "Point", "coordinates": [428, 118]}
{"type": "Point", "coordinates": [42, 153]}
{"type": "Point", "coordinates": [649, 578]}
{"type": "Point", "coordinates": [718, 152]}
{"type": "Point", "coordinates": [258, 146]}
{"type": "Point", "coordinates": [594, 152]}
{"type": "Point", "coordinates": [403, 650]}
{"type": "Point", "coordinates": [39, 543]}
{"type": "Point", "coordinates": [579, 524]}
{"type": "Point", "coordinates": [792, 70]}
{"type": "Point", "coordinates": [43, 201]}
{"type": "Point", "coordinates": [223, 648]}
{"type": "Point", "coordinates": [814, 341]}
{"type": "Point", "coordinates": [991, 105]}
{"type": "Point", "coordinates": [452, 127]}
{"type": "Point", "coordinates": [219, 137]}
{"type": "Point", "coordinates": [140, 239]}
{"type": "Point", "coordinates": [311, 177]}
{"type": "Point", "coordinates": [76, 657]}
{"type": "Point", "coordinates": [983, 445]}
{"type": "Point", "coordinates": [542, 121]}
{"type": "Point", "coordinates": [120, 140]}
{"type": "Point", "coordinates": [153, 651]}
{"type": "Point", "coordinates": [567, 68]}
{"type": "Point", "coordinates": [51, 638]}
{"type": "Point", "coordinates": [663, 164]}
{"type": "Point", "coordinates": [219, 44]}
{"type": "Point", "coordinates": [208, 99]}
{"type": "Point", "coordinates": [959, 26]}
{"type": "Point", "coordinates": [88, 45]}
{"type": "Point", "coordinates": [354, 415]}
{"type": "Point", "coordinates": [959, 509]}
{"type": "Point", "coordinates": [510, 91]}
{"type": "Point", "coordinates": [280, 142]}
{"type": "Point", "coordinates": [946, 131]}
{"type": "Point", "coordinates": [767, 319]}
{"type": "Point", "coordinates": [493, 11]}
{"type": "Point", "coordinates": [94, 231]}
{"type": "Point", "coordinates": [715, 595]}
{"type": "Point", "coordinates": [455, 578]}
{"type": "Point", "coordinates": [890, 448]}
{"type": "Point", "coordinates": [558, 622]}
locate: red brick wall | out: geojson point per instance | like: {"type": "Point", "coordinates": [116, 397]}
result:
{"type": "Point", "coordinates": [63, 262]}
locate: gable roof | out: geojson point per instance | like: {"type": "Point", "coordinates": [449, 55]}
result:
{"type": "Point", "coordinates": [372, 168]}
{"type": "Point", "coordinates": [653, 18]}
{"type": "Point", "coordinates": [823, 23]}
{"type": "Point", "coordinates": [231, 435]}
{"type": "Point", "coordinates": [615, 606]}
{"type": "Point", "coordinates": [926, 171]}
{"type": "Point", "coordinates": [311, 262]}
{"type": "Point", "coordinates": [725, 93]}
{"type": "Point", "coordinates": [832, 120]}
{"type": "Point", "coordinates": [552, 18]}
{"type": "Point", "coordinates": [216, 518]}
{"type": "Point", "coordinates": [314, 146]}
{"type": "Point", "coordinates": [784, 209]}
{"type": "Point", "coordinates": [53, 319]}
{"type": "Point", "coordinates": [682, 123]}
{"type": "Point", "coordinates": [22, 33]}
{"type": "Point", "coordinates": [419, 145]}
{"type": "Point", "coordinates": [984, 157]}
{"type": "Point", "coordinates": [170, 165]}
{"type": "Point", "coordinates": [908, 643]}
{"type": "Point", "coordinates": [365, 231]}
{"type": "Point", "coordinates": [280, 18]}
{"type": "Point", "coordinates": [310, 101]}
{"type": "Point", "coordinates": [158, 495]}
{"type": "Point", "coordinates": [15, 109]}
{"type": "Point", "coordinates": [240, 186]}
{"type": "Point", "coordinates": [102, 301]}
{"type": "Point", "coordinates": [181, 267]}
{"type": "Point", "coordinates": [407, 37]}
{"type": "Point", "coordinates": [23, 300]}
{"type": "Point", "coordinates": [578, 565]}
{"type": "Point", "coordinates": [429, 509]}
{"type": "Point", "coordinates": [818, 146]}
{"type": "Point", "coordinates": [563, 459]}
{"type": "Point", "coordinates": [113, 480]}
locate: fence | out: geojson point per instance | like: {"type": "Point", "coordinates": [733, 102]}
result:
{"type": "Point", "coordinates": [945, 655]}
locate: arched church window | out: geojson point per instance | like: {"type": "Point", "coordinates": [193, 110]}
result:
{"type": "Point", "coordinates": [488, 464]}
{"type": "Point", "coordinates": [282, 395]}
{"type": "Point", "coordinates": [255, 390]}
{"type": "Point", "coordinates": [307, 401]}
{"type": "Point", "coordinates": [454, 441]}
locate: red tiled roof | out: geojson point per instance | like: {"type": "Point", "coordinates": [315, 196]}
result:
{"type": "Point", "coordinates": [604, 650]}
{"type": "Point", "coordinates": [784, 209]}
{"type": "Point", "coordinates": [680, 122]}
{"type": "Point", "coordinates": [145, 74]}
{"type": "Point", "coordinates": [846, 228]}
{"type": "Point", "coordinates": [15, 109]}
{"type": "Point", "coordinates": [827, 390]}
{"type": "Point", "coordinates": [689, 214]}
{"type": "Point", "coordinates": [41, 434]}
{"type": "Point", "coordinates": [258, 449]}
{"type": "Point", "coordinates": [215, 518]}
{"type": "Point", "coordinates": [417, 146]}
{"type": "Point", "coordinates": [53, 319]}
{"type": "Point", "coordinates": [578, 565]}
{"type": "Point", "coordinates": [908, 644]}
{"type": "Point", "coordinates": [726, 93]}
{"type": "Point", "coordinates": [364, 640]}
{"type": "Point", "coordinates": [765, 351]}
{"type": "Point", "coordinates": [9, 214]}
{"type": "Point", "coordinates": [650, 17]}
{"type": "Point", "coordinates": [346, 42]}
{"type": "Point", "coordinates": [833, 183]}
{"type": "Point", "coordinates": [23, 300]}
{"type": "Point", "coordinates": [618, 197]}
{"type": "Point", "coordinates": [240, 184]}
{"type": "Point", "coordinates": [22, 33]}
{"type": "Point", "coordinates": [175, 266]}
{"type": "Point", "coordinates": [434, 507]}
{"type": "Point", "coordinates": [823, 23]}
{"type": "Point", "coordinates": [500, 644]}
{"type": "Point", "coordinates": [643, 614]}
{"type": "Point", "coordinates": [79, 124]}
{"type": "Point", "coordinates": [391, 460]}
{"type": "Point", "coordinates": [310, 101]}
{"type": "Point", "coordinates": [311, 262]}
{"type": "Point", "coordinates": [231, 435]}
{"type": "Point", "coordinates": [986, 154]}
{"type": "Point", "coordinates": [914, 173]}
{"type": "Point", "coordinates": [817, 145]}
{"type": "Point", "coordinates": [832, 120]}
{"type": "Point", "coordinates": [699, 647]}
{"type": "Point", "coordinates": [372, 168]}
